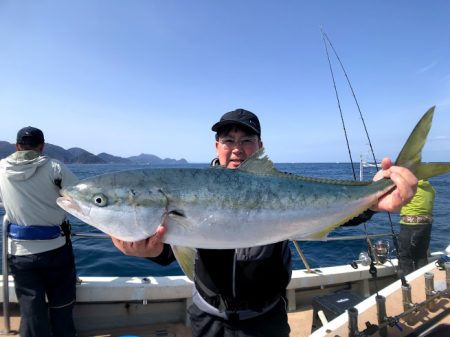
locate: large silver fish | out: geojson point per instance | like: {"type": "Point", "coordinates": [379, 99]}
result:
{"type": "Point", "coordinates": [221, 208]}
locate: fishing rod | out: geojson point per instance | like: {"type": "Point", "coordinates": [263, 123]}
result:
{"type": "Point", "coordinates": [325, 39]}
{"type": "Point", "coordinates": [339, 103]}
{"type": "Point", "coordinates": [327, 42]}
{"type": "Point", "coordinates": [325, 36]}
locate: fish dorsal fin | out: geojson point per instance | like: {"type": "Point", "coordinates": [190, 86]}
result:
{"type": "Point", "coordinates": [258, 163]}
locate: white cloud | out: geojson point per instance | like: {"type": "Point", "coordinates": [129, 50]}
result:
{"type": "Point", "coordinates": [440, 139]}
{"type": "Point", "coordinates": [427, 68]}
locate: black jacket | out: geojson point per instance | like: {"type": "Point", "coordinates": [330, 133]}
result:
{"type": "Point", "coordinates": [244, 278]}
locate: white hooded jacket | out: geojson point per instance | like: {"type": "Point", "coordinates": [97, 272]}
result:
{"type": "Point", "coordinates": [29, 187]}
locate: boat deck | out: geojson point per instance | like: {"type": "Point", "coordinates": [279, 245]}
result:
{"type": "Point", "coordinates": [429, 321]}
{"type": "Point", "coordinates": [134, 308]}
{"type": "Point", "coordinates": [300, 322]}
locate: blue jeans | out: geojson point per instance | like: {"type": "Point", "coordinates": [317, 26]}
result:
{"type": "Point", "coordinates": [36, 276]}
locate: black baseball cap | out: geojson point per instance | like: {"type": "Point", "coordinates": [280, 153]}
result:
{"type": "Point", "coordinates": [240, 117]}
{"type": "Point", "coordinates": [30, 136]}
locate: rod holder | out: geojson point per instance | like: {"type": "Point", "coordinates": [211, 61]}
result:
{"type": "Point", "coordinates": [352, 322]}
{"type": "Point", "coordinates": [407, 301]}
{"type": "Point", "coordinates": [447, 277]}
{"type": "Point", "coordinates": [429, 289]}
{"type": "Point", "coordinates": [381, 314]}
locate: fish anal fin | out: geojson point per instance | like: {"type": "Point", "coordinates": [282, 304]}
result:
{"type": "Point", "coordinates": [323, 234]}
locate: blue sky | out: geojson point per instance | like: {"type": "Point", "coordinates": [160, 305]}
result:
{"type": "Point", "coordinates": [131, 77]}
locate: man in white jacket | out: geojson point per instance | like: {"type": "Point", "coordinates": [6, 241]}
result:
{"type": "Point", "coordinates": [40, 254]}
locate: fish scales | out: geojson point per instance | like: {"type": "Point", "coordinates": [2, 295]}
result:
{"type": "Point", "coordinates": [220, 208]}
{"type": "Point", "coordinates": [207, 207]}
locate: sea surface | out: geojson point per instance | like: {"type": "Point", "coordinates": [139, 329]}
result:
{"type": "Point", "coordinates": [99, 257]}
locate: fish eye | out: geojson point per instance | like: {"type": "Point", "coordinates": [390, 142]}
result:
{"type": "Point", "coordinates": [100, 200]}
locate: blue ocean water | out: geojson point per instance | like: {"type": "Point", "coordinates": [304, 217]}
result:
{"type": "Point", "coordinates": [99, 257]}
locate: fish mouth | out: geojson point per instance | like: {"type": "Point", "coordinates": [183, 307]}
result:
{"type": "Point", "coordinates": [69, 205]}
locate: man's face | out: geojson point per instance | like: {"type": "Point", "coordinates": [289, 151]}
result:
{"type": "Point", "coordinates": [236, 146]}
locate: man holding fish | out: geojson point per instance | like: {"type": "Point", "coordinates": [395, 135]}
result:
{"type": "Point", "coordinates": [241, 292]}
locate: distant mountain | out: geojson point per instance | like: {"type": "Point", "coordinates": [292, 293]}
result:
{"type": "Point", "coordinates": [80, 156]}
{"type": "Point", "coordinates": [6, 149]}
{"type": "Point", "coordinates": [152, 159]}
{"type": "Point", "coordinates": [77, 155]}
{"type": "Point", "coordinates": [58, 152]}
{"type": "Point", "coordinates": [113, 159]}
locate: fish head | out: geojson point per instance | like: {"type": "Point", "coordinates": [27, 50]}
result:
{"type": "Point", "coordinates": [117, 205]}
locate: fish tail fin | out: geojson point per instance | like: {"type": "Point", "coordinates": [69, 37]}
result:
{"type": "Point", "coordinates": [411, 154]}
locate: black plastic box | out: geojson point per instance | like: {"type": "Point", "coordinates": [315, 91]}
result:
{"type": "Point", "coordinates": [333, 305]}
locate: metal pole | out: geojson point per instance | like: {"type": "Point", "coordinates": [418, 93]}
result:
{"type": "Point", "coordinates": [381, 313]}
{"type": "Point", "coordinates": [429, 289]}
{"type": "Point", "coordinates": [300, 253]}
{"type": "Point", "coordinates": [447, 277]}
{"type": "Point", "coordinates": [349, 237]}
{"type": "Point", "coordinates": [407, 302]}
{"type": "Point", "coordinates": [91, 235]}
{"type": "Point", "coordinates": [361, 168]}
{"type": "Point", "coordinates": [5, 278]}
{"type": "Point", "coordinates": [352, 321]}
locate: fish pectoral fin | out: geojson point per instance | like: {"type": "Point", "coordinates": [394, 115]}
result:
{"type": "Point", "coordinates": [179, 217]}
{"type": "Point", "coordinates": [186, 259]}
{"type": "Point", "coordinates": [176, 212]}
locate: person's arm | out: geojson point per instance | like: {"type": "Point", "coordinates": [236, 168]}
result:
{"type": "Point", "coordinates": [405, 188]}
{"type": "Point", "coordinates": [166, 257]}
{"type": "Point", "coordinates": [363, 217]}
{"type": "Point", "coordinates": [151, 248]}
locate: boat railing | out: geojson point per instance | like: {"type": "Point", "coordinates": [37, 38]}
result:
{"type": "Point", "coordinates": [364, 163]}
{"type": "Point", "coordinates": [6, 317]}
{"type": "Point", "coordinates": [350, 237]}
{"type": "Point", "coordinates": [91, 235]}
